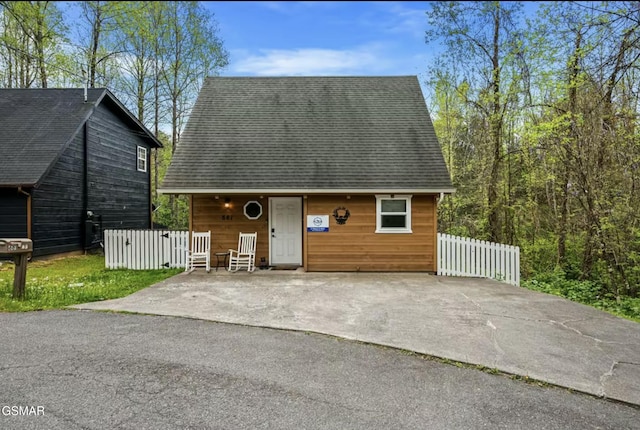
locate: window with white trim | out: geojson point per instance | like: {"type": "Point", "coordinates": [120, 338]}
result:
{"type": "Point", "coordinates": [142, 159]}
{"type": "Point", "coordinates": [393, 214]}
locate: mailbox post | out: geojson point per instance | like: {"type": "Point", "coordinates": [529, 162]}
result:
{"type": "Point", "coordinates": [20, 249]}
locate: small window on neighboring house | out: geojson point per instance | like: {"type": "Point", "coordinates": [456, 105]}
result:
{"type": "Point", "coordinates": [142, 159]}
{"type": "Point", "coordinates": [393, 214]}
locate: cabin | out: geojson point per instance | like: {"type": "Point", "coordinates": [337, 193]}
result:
{"type": "Point", "coordinates": [74, 162]}
{"type": "Point", "coordinates": [333, 173]}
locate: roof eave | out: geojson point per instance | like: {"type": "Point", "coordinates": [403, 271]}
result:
{"type": "Point", "coordinates": [299, 191]}
{"type": "Point", "coordinates": [21, 185]}
{"type": "Point", "coordinates": [154, 142]}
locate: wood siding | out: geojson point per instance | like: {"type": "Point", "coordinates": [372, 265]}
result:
{"type": "Point", "coordinates": [355, 246]}
{"type": "Point", "coordinates": [116, 190]}
{"type": "Point", "coordinates": [13, 213]}
{"type": "Point", "coordinates": [57, 204]}
{"type": "Point", "coordinates": [209, 213]}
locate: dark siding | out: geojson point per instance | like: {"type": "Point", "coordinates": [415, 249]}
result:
{"type": "Point", "coordinates": [13, 213]}
{"type": "Point", "coordinates": [57, 204]}
{"type": "Point", "coordinates": [117, 190]}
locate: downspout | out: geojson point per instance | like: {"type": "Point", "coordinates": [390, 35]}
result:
{"type": "Point", "coordinates": [85, 185]}
{"type": "Point", "coordinates": [437, 242]}
{"type": "Point", "coordinates": [85, 154]}
{"type": "Point", "coordinates": [21, 191]}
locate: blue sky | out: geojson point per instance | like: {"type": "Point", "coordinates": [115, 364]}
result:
{"type": "Point", "coordinates": [314, 38]}
{"type": "Point", "coordinates": [267, 38]}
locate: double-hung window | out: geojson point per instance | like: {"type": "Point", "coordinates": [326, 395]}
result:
{"type": "Point", "coordinates": [142, 159]}
{"type": "Point", "coordinates": [393, 214]}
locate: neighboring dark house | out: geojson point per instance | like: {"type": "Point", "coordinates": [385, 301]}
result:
{"type": "Point", "coordinates": [73, 163]}
{"type": "Point", "coordinates": [334, 173]}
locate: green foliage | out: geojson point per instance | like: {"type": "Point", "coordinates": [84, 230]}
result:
{"type": "Point", "coordinates": [587, 292]}
{"type": "Point", "coordinates": [173, 215]}
{"type": "Point", "coordinates": [30, 33]}
{"type": "Point", "coordinates": [170, 212]}
{"type": "Point", "coordinates": [541, 256]}
{"type": "Point", "coordinates": [153, 56]}
{"type": "Point", "coordinates": [53, 284]}
{"type": "Point", "coordinates": [556, 168]}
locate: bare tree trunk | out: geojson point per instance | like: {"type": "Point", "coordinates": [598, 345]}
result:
{"type": "Point", "coordinates": [95, 43]}
{"type": "Point", "coordinates": [565, 151]}
{"type": "Point", "coordinates": [156, 122]}
{"type": "Point", "coordinates": [495, 124]}
{"type": "Point", "coordinates": [39, 42]}
{"type": "Point", "coordinates": [564, 217]}
{"type": "Point", "coordinates": [591, 240]}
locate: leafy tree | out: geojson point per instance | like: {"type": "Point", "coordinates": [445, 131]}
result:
{"type": "Point", "coordinates": [153, 56]}
{"type": "Point", "coordinates": [100, 19]}
{"type": "Point", "coordinates": [31, 32]}
{"type": "Point", "coordinates": [485, 58]}
{"type": "Point", "coordinates": [192, 51]}
{"type": "Point", "coordinates": [551, 103]}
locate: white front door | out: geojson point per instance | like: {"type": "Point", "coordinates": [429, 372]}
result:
{"type": "Point", "coordinates": [285, 225]}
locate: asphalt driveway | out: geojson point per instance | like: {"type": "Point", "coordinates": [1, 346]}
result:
{"type": "Point", "coordinates": [89, 370]}
{"type": "Point", "coordinates": [475, 321]}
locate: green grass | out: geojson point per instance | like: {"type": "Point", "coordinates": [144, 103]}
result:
{"type": "Point", "coordinates": [54, 284]}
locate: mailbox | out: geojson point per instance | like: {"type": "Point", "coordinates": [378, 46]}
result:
{"type": "Point", "coordinates": [15, 246]}
{"type": "Point", "coordinates": [20, 250]}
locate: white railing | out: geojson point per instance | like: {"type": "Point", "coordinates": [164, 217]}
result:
{"type": "Point", "coordinates": [145, 249]}
{"type": "Point", "coordinates": [463, 256]}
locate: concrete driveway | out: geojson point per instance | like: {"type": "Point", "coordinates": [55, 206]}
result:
{"type": "Point", "coordinates": [474, 321]}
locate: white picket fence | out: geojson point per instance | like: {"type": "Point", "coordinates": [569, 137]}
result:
{"type": "Point", "coordinates": [457, 256]}
{"type": "Point", "coordinates": [145, 249]}
{"type": "Point", "coordinates": [463, 256]}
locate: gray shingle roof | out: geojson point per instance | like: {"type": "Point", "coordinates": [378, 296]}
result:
{"type": "Point", "coordinates": [308, 134]}
{"type": "Point", "coordinates": [37, 124]}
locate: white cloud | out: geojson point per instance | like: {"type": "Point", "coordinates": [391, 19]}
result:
{"type": "Point", "coordinates": [278, 6]}
{"type": "Point", "coordinates": [412, 21]}
{"type": "Point", "coordinates": [397, 18]}
{"type": "Point", "coordinates": [364, 60]}
{"type": "Point", "coordinates": [291, 7]}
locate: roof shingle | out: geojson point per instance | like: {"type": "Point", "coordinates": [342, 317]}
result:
{"type": "Point", "coordinates": [37, 124]}
{"type": "Point", "coordinates": [308, 134]}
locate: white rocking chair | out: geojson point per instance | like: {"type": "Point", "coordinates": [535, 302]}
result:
{"type": "Point", "coordinates": [245, 256]}
{"type": "Point", "coordinates": [199, 254]}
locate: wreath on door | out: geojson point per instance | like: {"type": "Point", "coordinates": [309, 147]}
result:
{"type": "Point", "coordinates": [341, 214]}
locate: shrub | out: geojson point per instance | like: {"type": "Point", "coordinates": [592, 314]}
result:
{"type": "Point", "coordinates": [587, 292]}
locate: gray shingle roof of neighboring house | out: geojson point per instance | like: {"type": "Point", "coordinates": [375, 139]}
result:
{"type": "Point", "coordinates": [311, 134]}
{"type": "Point", "coordinates": [36, 125]}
